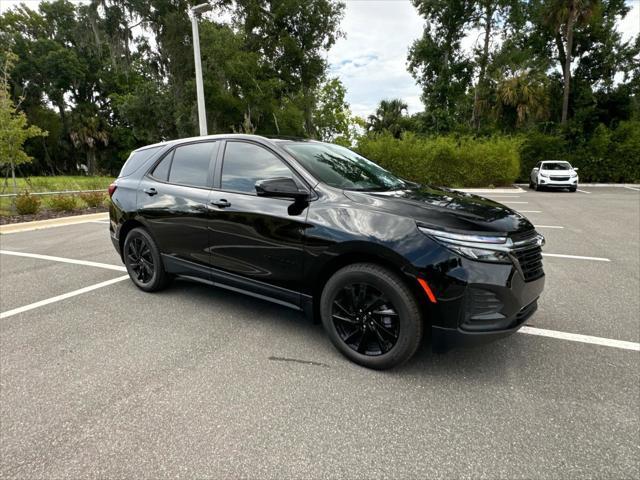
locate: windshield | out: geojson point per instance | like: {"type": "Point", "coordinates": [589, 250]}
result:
{"type": "Point", "coordinates": [556, 166]}
{"type": "Point", "coordinates": [342, 168]}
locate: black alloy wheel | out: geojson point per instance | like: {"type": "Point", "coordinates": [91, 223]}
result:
{"type": "Point", "coordinates": [365, 319]}
{"type": "Point", "coordinates": [371, 315]}
{"type": "Point", "coordinates": [142, 259]}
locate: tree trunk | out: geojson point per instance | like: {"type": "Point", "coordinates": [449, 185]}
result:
{"type": "Point", "coordinates": [567, 63]}
{"type": "Point", "coordinates": [484, 60]}
{"type": "Point", "coordinates": [13, 177]}
{"type": "Point", "coordinates": [91, 161]}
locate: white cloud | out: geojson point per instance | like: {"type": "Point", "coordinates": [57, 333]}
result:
{"type": "Point", "coordinates": [371, 60]}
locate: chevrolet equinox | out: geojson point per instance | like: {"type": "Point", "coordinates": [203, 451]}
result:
{"type": "Point", "coordinates": [379, 260]}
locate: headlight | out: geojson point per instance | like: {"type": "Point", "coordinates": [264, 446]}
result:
{"type": "Point", "coordinates": [544, 175]}
{"type": "Point", "coordinates": [574, 174]}
{"type": "Point", "coordinates": [484, 248]}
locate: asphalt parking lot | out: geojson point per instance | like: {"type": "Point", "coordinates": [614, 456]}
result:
{"type": "Point", "coordinates": [198, 382]}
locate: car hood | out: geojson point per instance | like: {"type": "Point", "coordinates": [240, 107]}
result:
{"type": "Point", "coordinates": [446, 209]}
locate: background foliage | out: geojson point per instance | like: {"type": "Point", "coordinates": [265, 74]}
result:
{"type": "Point", "coordinates": [545, 79]}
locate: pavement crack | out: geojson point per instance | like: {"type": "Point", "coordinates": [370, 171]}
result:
{"type": "Point", "coordinates": [296, 360]}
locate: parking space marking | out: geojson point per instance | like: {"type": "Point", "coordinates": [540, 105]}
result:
{"type": "Point", "coordinates": [583, 191]}
{"type": "Point", "coordinates": [65, 260]}
{"type": "Point", "coordinates": [631, 188]}
{"type": "Point", "coordinates": [577, 257]}
{"type": "Point", "coordinates": [514, 202]}
{"type": "Point", "coordinates": [548, 226]}
{"type": "Point", "coordinates": [64, 296]}
{"type": "Point", "coordinates": [576, 337]}
{"type": "Point", "coordinates": [505, 196]}
{"type": "Point", "coordinates": [530, 211]}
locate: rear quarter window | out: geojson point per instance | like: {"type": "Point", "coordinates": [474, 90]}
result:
{"type": "Point", "coordinates": [136, 160]}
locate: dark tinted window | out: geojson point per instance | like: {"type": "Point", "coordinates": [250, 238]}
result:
{"type": "Point", "coordinates": [191, 164]}
{"type": "Point", "coordinates": [136, 160]}
{"type": "Point", "coordinates": [161, 172]}
{"type": "Point", "coordinates": [556, 166]}
{"type": "Point", "coordinates": [245, 164]}
{"type": "Point", "coordinates": [342, 168]}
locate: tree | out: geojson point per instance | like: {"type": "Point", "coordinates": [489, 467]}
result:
{"type": "Point", "coordinates": [14, 129]}
{"type": "Point", "coordinates": [563, 16]}
{"type": "Point", "coordinates": [438, 63]}
{"type": "Point", "coordinates": [390, 116]}
{"type": "Point", "coordinates": [332, 117]}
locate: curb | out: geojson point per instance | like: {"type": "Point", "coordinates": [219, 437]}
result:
{"type": "Point", "coordinates": [610, 185]}
{"type": "Point", "coordinates": [514, 189]}
{"type": "Point", "coordinates": [53, 222]}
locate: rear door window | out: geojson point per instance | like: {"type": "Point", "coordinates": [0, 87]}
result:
{"type": "Point", "coordinates": [136, 160]}
{"type": "Point", "coordinates": [191, 164]}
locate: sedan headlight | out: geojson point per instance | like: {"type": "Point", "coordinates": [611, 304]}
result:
{"type": "Point", "coordinates": [544, 175]}
{"type": "Point", "coordinates": [574, 174]}
{"type": "Point", "coordinates": [483, 248]}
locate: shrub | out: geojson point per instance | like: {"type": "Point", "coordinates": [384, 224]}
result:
{"type": "Point", "coordinates": [93, 199]}
{"type": "Point", "coordinates": [27, 204]}
{"type": "Point", "coordinates": [446, 160]}
{"type": "Point", "coordinates": [63, 203]}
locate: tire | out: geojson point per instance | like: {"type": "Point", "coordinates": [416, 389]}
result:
{"type": "Point", "coordinates": [538, 187]}
{"type": "Point", "coordinates": [530, 185]}
{"type": "Point", "coordinates": [388, 332]}
{"type": "Point", "coordinates": [143, 261]}
{"type": "Point", "coordinates": [573, 189]}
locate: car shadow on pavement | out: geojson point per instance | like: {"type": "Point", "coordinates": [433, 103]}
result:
{"type": "Point", "coordinates": [487, 362]}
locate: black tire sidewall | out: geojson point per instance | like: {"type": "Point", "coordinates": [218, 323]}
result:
{"type": "Point", "coordinates": [403, 301]}
{"type": "Point", "coordinates": [158, 270]}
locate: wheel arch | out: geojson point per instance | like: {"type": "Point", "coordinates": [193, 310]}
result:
{"type": "Point", "coordinates": [389, 260]}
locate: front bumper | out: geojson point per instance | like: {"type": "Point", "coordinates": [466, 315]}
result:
{"type": "Point", "coordinates": [550, 183]}
{"type": "Point", "coordinates": [479, 302]}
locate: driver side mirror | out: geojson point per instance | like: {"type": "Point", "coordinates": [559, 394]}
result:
{"type": "Point", "coordinates": [575, 169]}
{"type": "Point", "coordinates": [280, 187]}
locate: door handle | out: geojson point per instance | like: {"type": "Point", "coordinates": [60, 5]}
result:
{"type": "Point", "coordinates": [222, 203]}
{"type": "Point", "coordinates": [150, 191]}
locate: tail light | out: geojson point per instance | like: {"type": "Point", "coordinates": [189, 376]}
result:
{"type": "Point", "coordinates": [112, 189]}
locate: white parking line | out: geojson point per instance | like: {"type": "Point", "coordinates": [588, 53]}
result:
{"type": "Point", "coordinates": [577, 257]}
{"type": "Point", "coordinates": [548, 226]}
{"type": "Point", "coordinates": [631, 188]}
{"type": "Point", "coordinates": [530, 211]}
{"type": "Point", "coordinates": [64, 296]}
{"type": "Point", "coordinates": [504, 196]}
{"type": "Point", "coordinates": [576, 337]}
{"type": "Point", "coordinates": [583, 191]}
{"type": "Point", "coordinates": [65, 260]}
{"type": "Point", "coordinates": [514, 202]}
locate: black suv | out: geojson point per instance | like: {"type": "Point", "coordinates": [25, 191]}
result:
{"type": "Point", "coordinates": [316, 227]}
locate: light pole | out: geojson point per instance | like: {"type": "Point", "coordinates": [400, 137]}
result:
{"type": "Point", "coordinates": [195, 12]}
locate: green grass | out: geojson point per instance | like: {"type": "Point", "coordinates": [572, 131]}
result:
{"type": "Point", "coordinates": [49, 184]}
{"type": "Point", "coordinates": [57, 183]}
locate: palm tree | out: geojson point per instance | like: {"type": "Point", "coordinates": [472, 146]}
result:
{"type": "Point", "coordinates": [526, 92]}
{"type": "Point", "coordinates": [563, 16]}
{"type": "Point", "coordinates": [390, 116]}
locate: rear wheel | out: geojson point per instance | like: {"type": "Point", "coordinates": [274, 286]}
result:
{"type": "Point", "coordinates": [143, 262]}
{"type": "Point", "coordinates": [371, 316]}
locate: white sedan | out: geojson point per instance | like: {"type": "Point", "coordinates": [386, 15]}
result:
{"type": "Point", "coordinates": [554, 174]}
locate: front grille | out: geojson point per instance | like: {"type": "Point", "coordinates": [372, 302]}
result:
{"type": "Point", "coordinates": [559, 179]}
{"type": "Point", "coordinates": [530, 260]}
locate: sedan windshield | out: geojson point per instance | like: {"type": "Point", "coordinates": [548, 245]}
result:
{"type": "Point", "coordinates": [556, 166]}
{"type": "Point", "coordinates": [342, 168]}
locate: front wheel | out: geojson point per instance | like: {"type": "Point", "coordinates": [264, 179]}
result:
{"type": "Point", "coordinates": [573, 189]}
{"type": "Point", "coordinates": [143, 262]}
{"type": "Point", "coordinates": [371, 316]}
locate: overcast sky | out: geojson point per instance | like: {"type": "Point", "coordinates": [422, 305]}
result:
{"type": "Point", "coordinates": [371, 59]}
